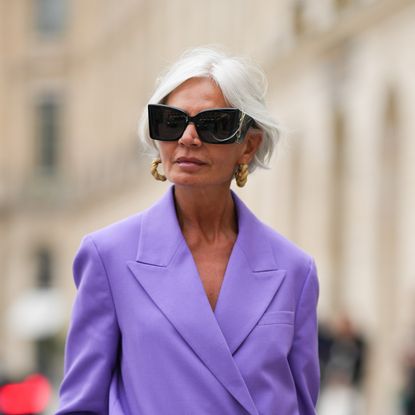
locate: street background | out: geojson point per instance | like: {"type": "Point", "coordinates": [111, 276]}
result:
{"type": "Point", "coordinates": [74, 78]}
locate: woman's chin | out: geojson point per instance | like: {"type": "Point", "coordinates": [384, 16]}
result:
{"type": "Point", "coordinates": [197, 181]}
{"type": "Point", "coordinates": [188, 180]}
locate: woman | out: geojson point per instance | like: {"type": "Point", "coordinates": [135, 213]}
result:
{"type": "Point", "coordinates": [194, 306]}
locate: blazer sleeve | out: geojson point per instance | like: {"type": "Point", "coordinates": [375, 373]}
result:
{"type": "Point", "coordinates": [93, 337]}
{"type": "Point", "coordinates": [303, 356]}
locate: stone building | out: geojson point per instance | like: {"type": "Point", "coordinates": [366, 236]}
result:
{"type": "Point", "coordinates": [74, 78]}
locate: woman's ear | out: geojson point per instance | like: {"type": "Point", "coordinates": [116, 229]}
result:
{"type": "Point", "coordinates": [253, 140]}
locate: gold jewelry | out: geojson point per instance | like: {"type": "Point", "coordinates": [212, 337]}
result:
{"type": "Point", "coordinates": [241, 174]}
{"type": "Point", "coordinates": [154, 164]}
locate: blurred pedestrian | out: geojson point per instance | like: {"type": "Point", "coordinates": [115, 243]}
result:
{"type": "Point", "coordinates": [342, 352]}
{"type": "Point", "coordinates": [409, 388]}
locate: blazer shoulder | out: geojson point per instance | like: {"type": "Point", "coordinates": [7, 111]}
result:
{"type": "Point", "coordinates": [119, 236]}
{"type": "Point", "coordinates": [128, 228]}
{"type": "Point", "coordinates": [286, 252]}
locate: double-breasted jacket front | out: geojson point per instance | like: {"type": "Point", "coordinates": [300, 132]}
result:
{"type": "Point", "coordinates": [144, 340]}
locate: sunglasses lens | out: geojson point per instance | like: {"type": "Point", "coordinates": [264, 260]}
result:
{"type": "Point", "coordinates": [218, 126]}
{"type": "Point", "coordinates": [166, 124]}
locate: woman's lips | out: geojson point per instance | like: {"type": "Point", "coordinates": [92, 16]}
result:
{"type": "Point", "coordinates": [189, 160]}
{"type": "Point", "coordinates": [190, 163]}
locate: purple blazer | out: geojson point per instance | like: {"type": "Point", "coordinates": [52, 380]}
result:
{"type": "Point", "coordinates": [143, 339]}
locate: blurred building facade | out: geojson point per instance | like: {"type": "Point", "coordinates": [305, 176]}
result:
{"type": "Point", "coordinates": [74, 78]}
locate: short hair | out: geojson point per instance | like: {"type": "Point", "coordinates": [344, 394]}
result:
{"type": "Point", "coordinates": [242, 82]}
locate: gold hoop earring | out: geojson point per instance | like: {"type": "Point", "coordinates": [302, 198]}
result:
{"type": "Point", "coordinates": [241, 174]}
{"type": "Point", "coordinates": [154, 164]}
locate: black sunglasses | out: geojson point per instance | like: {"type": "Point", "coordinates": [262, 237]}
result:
{"type": "Point", "coordinates": [214, 126]}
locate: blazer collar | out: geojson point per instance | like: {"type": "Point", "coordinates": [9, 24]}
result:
{"type": "Point", "coordinates": [161, 235]}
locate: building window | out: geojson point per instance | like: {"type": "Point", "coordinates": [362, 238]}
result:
{"type": "Point", "coordinates": [337, 226]}
{"type": "Point", "coordinates": [46, 356]}
{"type": "Point", "coordinates": [343, 4]}
{"type": "Point", "coordinates": [299, 18]}
{"type": "Point", "coordinates": [50, 17]}
{"type": "Point", "coordinates": [48, 347]}
{"type": "Point", "coordinates": [389, 161]}
{"type": "Point", "coordinates": [389, 196]}
{"type": "Point", "coordinates": [48, 131]}
{"type": "Point", "coordinates": [44, 268]}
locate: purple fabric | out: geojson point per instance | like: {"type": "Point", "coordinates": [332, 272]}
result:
{"type": "Point", "coordinates": [143, 339]}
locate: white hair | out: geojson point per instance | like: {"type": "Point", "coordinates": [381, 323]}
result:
{"type": "Point", "coordinates": [242, 83]}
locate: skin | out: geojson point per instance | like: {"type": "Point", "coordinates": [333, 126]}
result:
{"type": "Point", "coordinates": [202, 174]}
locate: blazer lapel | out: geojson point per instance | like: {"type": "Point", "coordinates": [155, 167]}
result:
{"type": "Point", "coordinates": [251, 281]}
{"type": "Point", "coordinates": [166, 270]}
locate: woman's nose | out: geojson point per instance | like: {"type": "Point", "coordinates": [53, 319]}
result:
{"type": "Point", "coordinates": [190, 136]}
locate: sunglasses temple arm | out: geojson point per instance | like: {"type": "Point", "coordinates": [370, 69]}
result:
{"type": "Point", "coordinates": [245, 124]}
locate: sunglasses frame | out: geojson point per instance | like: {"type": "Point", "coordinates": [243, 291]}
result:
{"type": "Point", "coordinates": [245, 122]}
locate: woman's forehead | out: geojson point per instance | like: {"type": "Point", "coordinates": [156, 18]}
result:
{"type": "Point", "coordinates": [197, 94]}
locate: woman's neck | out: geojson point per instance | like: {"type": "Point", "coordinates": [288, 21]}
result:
{"type": "Point", "coordinates": [208, 213]}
